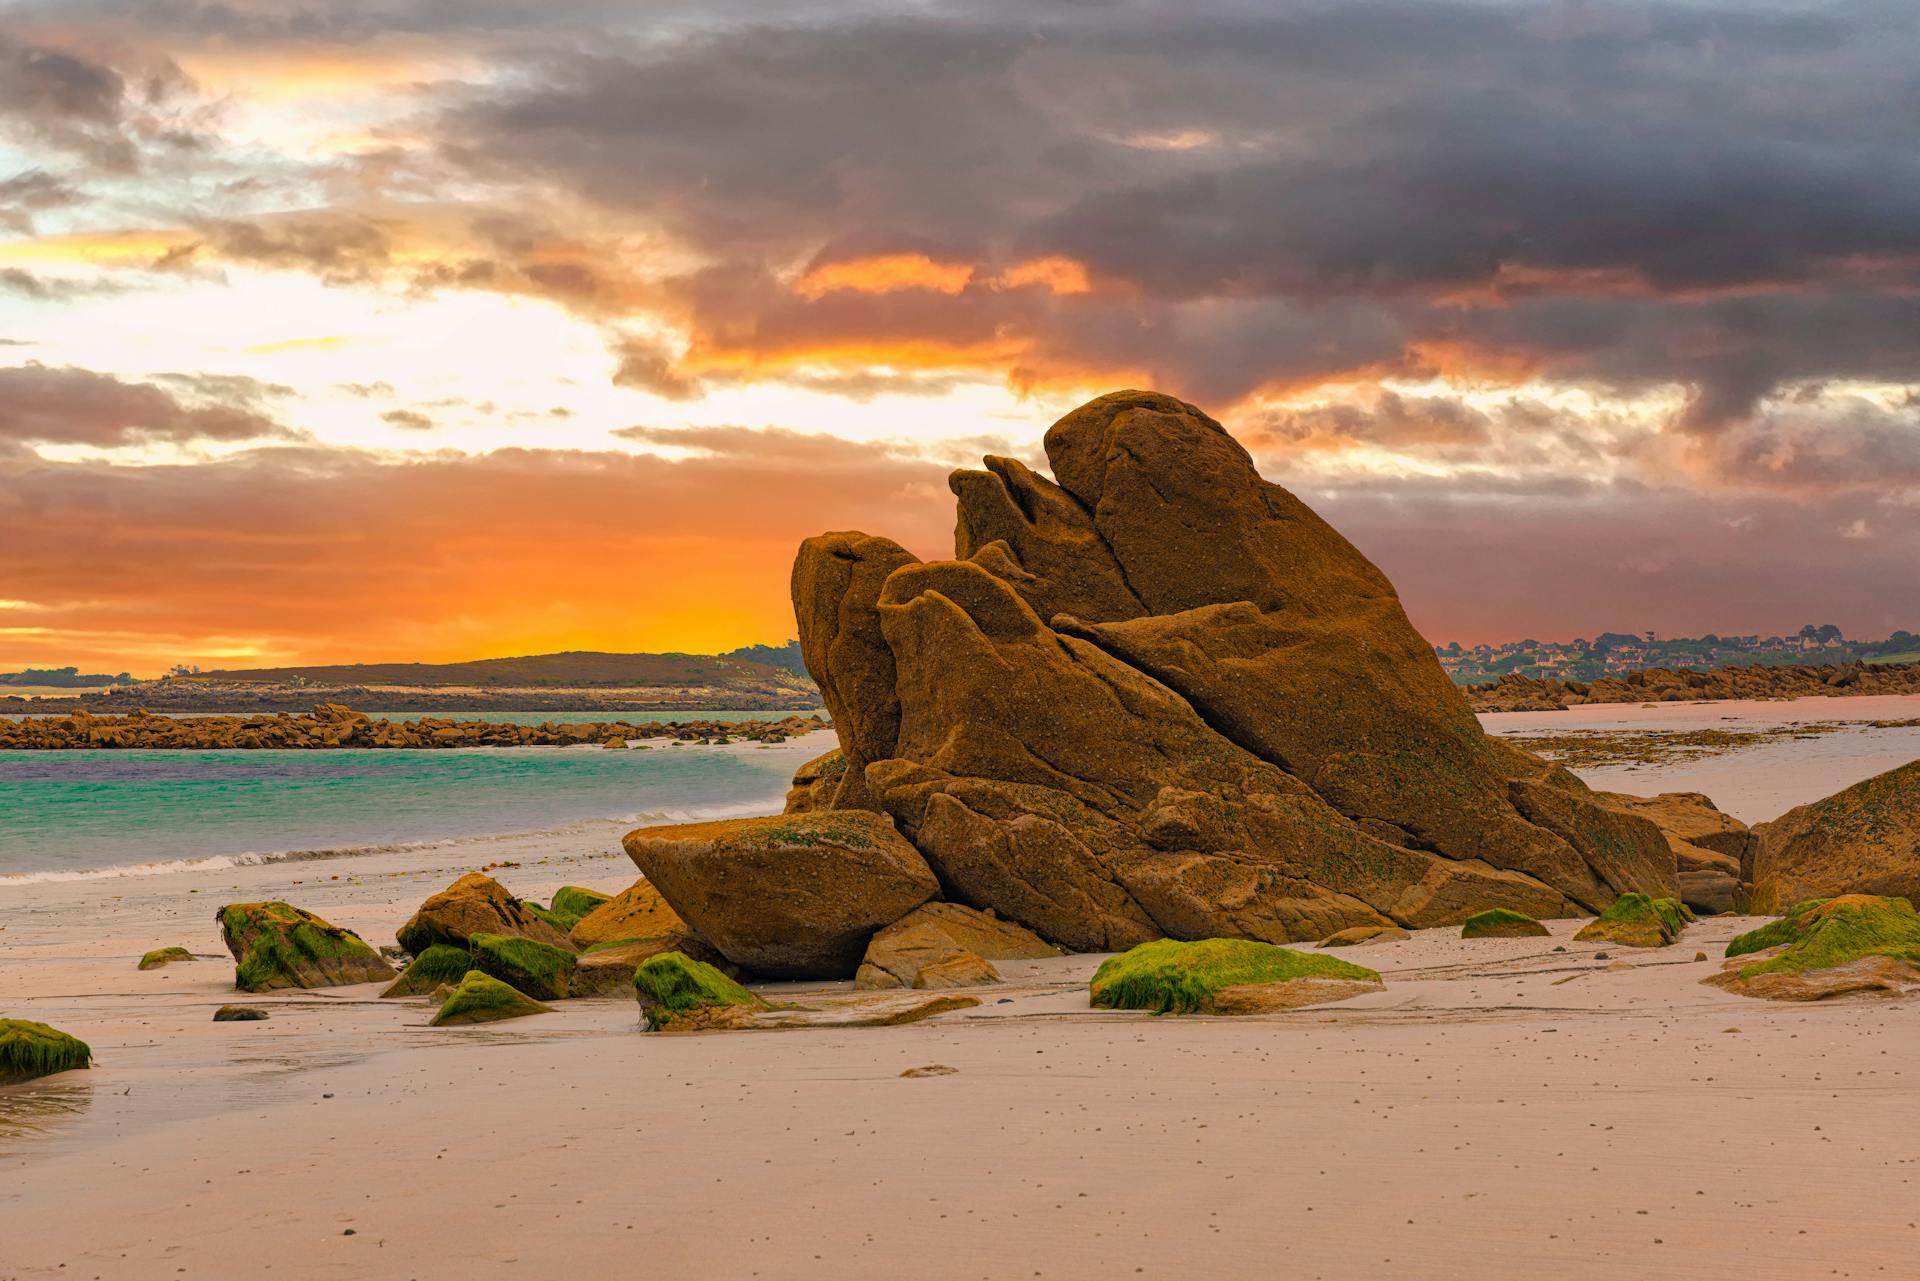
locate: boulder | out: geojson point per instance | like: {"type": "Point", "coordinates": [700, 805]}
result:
{"type": "Point", "coordinates": [1223, 976]}
{"type": "Point", "coordinates": [1634, 920]}
{"type": "Point", "coordinates": [945, 945]}
{"type": "Point", "coordinates": [164, 956]}
{"type": "Point", "coordinates": [241, 1014]}
{"type": "Point", "coordinates": [540, 970]}
{"type": "Point", "coordinates": [481, 998]}
{"type": "Point", "coordinates": [29, 1050]}
{"type": "Point", "coordinates": [1500, 923]}
{"type": "Point", "coordinates": [679, 993]}
{"type": "Point", "coordinates": [1367, 934]}
{"type": "Point", "coordinates": [1856, 943]}
{"type": "Point", "coordinates": [1162, 698]}
{"type": "Point", "coordinates": [277, 945]}
{"type": "Point", "coordinates": [637, 912]}
{"type": "Point", "coordinates": [606, 969]}
{"type": "Point", "coordinates": [1712, 851]}
{"type": "Point", "coordinates": [474, 904]}
{"type": "Point", "coordinates": [571, 903]}
{"type": "Point", "coordinates": [1864, 840]}
{"type": "Point", "coordinates": [816, 782]}
{"type": "Point", "coordinates": [441, 963]}
{"type": "Point", "coordinates": [791, 896]}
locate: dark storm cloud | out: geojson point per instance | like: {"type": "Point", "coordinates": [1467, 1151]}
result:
{"type": "Point", "coordinates": [1274, 194]}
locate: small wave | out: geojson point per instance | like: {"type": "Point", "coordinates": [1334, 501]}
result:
{"type": "Point", "coordinates": [218, 862]}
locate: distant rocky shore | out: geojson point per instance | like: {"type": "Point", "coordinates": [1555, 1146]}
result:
{"type": "Point", "coordinates": [1516, 693]}
{"type": "Point", "coordinates": [189, 696]}
{"type": "Point", "coordinates": [332, 725]}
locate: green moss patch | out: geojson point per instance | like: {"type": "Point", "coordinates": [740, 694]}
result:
{"type": "Point", "coordinates": [277, 945]}
{"type": "Point", "coordinates": [570, 903]}
{"type": "Point", "coordinates": [1846, 929]}
{"type": "Point", "coordinates": [1501, 923]}
{"type": "Point", "coordinates": [1638, 920]}
{"type": "Point", "coordinates": [164, 956]}
{"type": "Point", "coordinates": [1788, 929]}
{"type": "Point", "coordinates": [441, 963]}
{"type": "Point", "coordinates": [29, 1049]}
{"type": "Point", "coordinates": [540, 970]}
{"type": "Point", "coordinates": [1171, 977]}
{"type": "Point", "coordinates": [555, 919]}
{"type": "Point", "coordinates": [481, 998]}
{"type": "Point", "coordinates": [673, 987]}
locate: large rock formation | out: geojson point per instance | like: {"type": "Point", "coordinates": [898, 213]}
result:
{"type": "Point", "coordinates": [1712, 851]}
{"type": "Point", "coordinates": [1864, 840]}
{"type": "Point", "coordinates": [1162, 697]}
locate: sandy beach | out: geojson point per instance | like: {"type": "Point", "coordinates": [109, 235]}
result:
{"type": "Point", "coordinates": [1505, 1108]}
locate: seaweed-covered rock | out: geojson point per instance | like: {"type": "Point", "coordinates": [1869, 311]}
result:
{"type": "Point", "coordinates": [441, 963]}
{"type": "Point", "coordinates": [1634, 920]}
{"type": "Point", "coordinates": [637, 912]}
{"type": "Point", "coordinates": [1863, 840]}
{"type": "Point", "coordinates": [481, 998]}
{"type": "Point", "coordinates": [571, 903]}
{"type": "Point", "coordinates": [277, 945]}
{"type": "Point", "coordinates": [1366, 934]}
{"type": "Point", "coordinates": [1224, 976]}
{"type": "Point", "coordinates": [1162, 698]}
{"type": "Point", "coordinates": [791, 896]}
{"type": "Point", "coordinates": [474, 904]}
{"type": "Point", "coordinates": [1500, 923]}
{"type": "Point", "coordinates": [945, 945]}
{"type": "Point", "coordinates": [164, 956]}
{"type": "Point", "coordinates": [241, 1014]}
{"type": "Point", "coordinates": [540, 970]}
{"type": "Point", "coordinates": [29, 1050]}
{"type": "Point", "coordinates": [606, 969]}
{"type": "Point", "coordinates": [1856, 943]}
{"type": "Point", "coordinates": [675, 991]}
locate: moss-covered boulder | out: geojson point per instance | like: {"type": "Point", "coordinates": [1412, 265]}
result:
{"type": "Point", "coordinates": [277, 945]}
{"type": "Point", "coordinates": [790, 896]}
{"type": "Point", "coordinates": [1635, 920]}
{"type": "Point", "coordinates": [678, 993]}
{"type": "Point", "coordinates": [164, 956]}
{"type": "Point", "coordinates": [29, 1050]}
{"type": "Point", "coordinates": [1856, 943]}
{"type": "Point", "coordinates": [481, 998]}
{"type": "Point", "coordinates": [572, 902]}
{"type": "Point", "coordinates": [637, 912]}
{"type": "Point", "coordinates": [606, 969]}
{"type": "Point", "coordinates": [1501, 923]}
{"type": "Point", "coordinates": [545, 915]}
{"type": "Point", "coordinates": [541, 970]}
{"type": "Point", "coordinates": [474, 904]}
{"type": "Point", "coordinates": [441, 963]}
{"type": "Point", "coordinates": [1224, 976]}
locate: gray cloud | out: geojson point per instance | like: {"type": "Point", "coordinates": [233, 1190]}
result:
{"type": "Point", "coordinates": [40, 403]}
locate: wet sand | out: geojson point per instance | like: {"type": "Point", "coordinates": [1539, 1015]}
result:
{"type": "Point", "coordinates": [1501, 1110]}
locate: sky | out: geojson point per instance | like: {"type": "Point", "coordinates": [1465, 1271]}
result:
{"type": "Point", "coordinates": [402, 329]}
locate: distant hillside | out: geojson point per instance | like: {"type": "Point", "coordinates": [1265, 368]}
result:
{"type": "Point", "coordinates": [787, 656]}
{"type": "Point", "coordinates": [70, 678]}
{"type": "Point", "coordinates": [573, 670]}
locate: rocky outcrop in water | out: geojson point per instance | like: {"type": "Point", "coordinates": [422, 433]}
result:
{"type": "Point", "coordinates": [1159, 696]}
{"type": "Point", "coordinates": [1516, 693]}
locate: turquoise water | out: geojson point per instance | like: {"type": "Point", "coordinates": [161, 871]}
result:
{"type": "Point", "coordinates": [67, 812]}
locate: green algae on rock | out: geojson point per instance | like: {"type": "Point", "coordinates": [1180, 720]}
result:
{"type": "Point", "coordinates": [571, 902]}
{"type": "Point", "coordinates": [481, 998]}
{"type": "Point", "coordinates": [164, 956]}
{"type": "Point", "coordinates": [1853, 943]}
{"type": "Point", "coordinates": [1635, 920]}
{"type": "Point", "coordinates": [474, 904]}
{"type": "Point", "coordinates": [1788, 929]}
{"type": "Point", "coordinates": [1501, 923]}
{"type": "Point", "coordinates": [29, 1050]}
{"type": "Point", "coordinates": [676, 991]}
{"type": "Point", "coordinates": [1170, 977]}
{"type": "Point", "coordinates": [538, 969]}
{"type": "Point", "coordinates": [278, 945]}
{"type": "Point", "coordinates": [441, 963]}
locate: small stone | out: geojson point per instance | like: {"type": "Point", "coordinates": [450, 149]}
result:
{"type": "Point", "coordinates": [1699, 956]}
{"type": "Point", "coordinates": [930, 1069]}
{"type": "Point", "coordinates": [239, 1014]}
